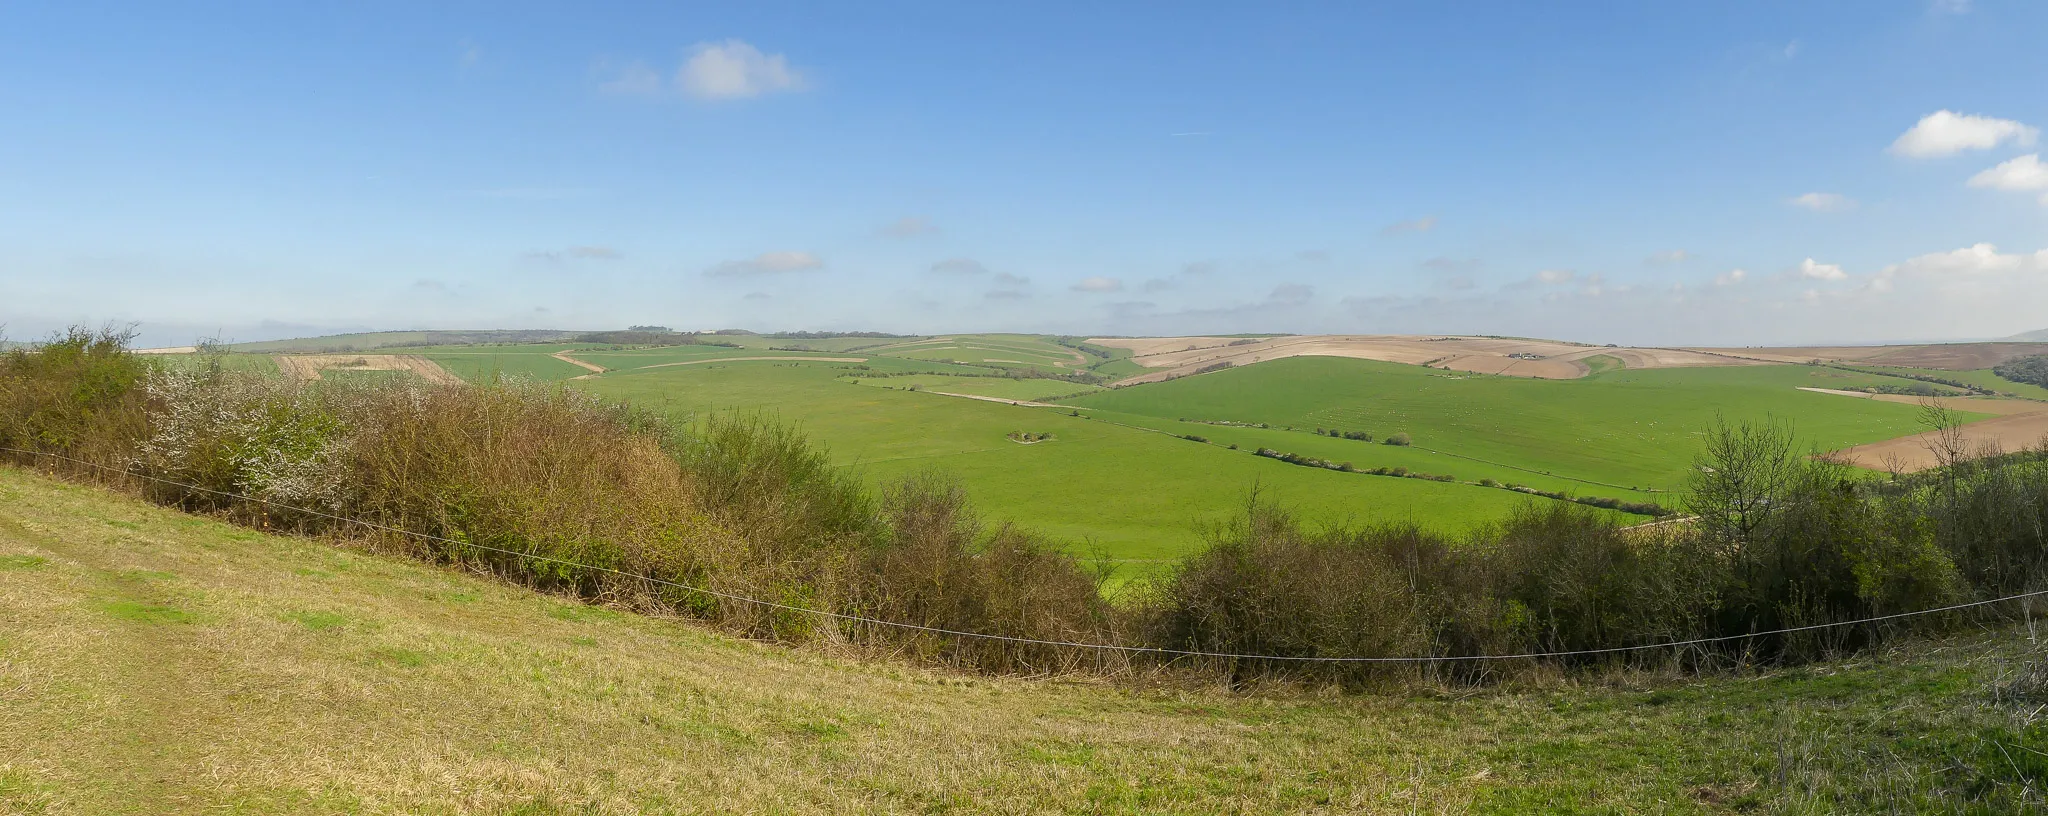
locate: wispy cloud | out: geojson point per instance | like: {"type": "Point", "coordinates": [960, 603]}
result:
{"type": "Point", "coordinates": [1731, 277]}
{"type": "Point", "coordinates": [576, 253]}
{"type": "Point", "coordinates": [714, 71]}
{"type": "Point", "coordinates": [735, 69]}
{"type": "Point", "coordinates": [767, 263]}
{"type": "Point", "coordinates": [633, 78]}
{"type": "Point", "coordinates": [1822, 202]}
{"type": "Point", "coordinates": [1099, 284]}
{"type": "Point", "coordinates": [909, 226]}
{"type": "Point", "coordinates": [1668, 257]}
{"type": "Point", "coordinates": [1291, 294]}
{"type": "Point", "coordinates": [959, 266]}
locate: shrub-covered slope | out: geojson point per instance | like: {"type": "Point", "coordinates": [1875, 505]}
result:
{"type": "Point", "coordinates": [154, 662]}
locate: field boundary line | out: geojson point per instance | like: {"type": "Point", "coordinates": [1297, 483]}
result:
{"type": "Point", "coordinates": [1158, 650]}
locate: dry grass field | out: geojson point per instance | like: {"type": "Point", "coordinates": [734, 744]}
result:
{"type": "Point", "coordinates": [307, 367]}
{"type": "Point", "coordinates": [1946, 356]}
{"type": "Point", "coordinates": [1542, 359]}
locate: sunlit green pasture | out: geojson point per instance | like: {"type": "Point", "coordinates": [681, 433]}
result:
{"type": "Point", "coordinates": [1634, 428]}
{"type": "Point", "coordinates": [1139, 496]}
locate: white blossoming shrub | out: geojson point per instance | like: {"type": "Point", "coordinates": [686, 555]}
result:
{"type": "Point", "coordinates": [259, 436]}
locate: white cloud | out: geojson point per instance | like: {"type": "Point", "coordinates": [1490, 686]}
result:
{"type": "Point", "coordinates": [1670, 256]}
{"type": "Point", "coordinates": [1823, 202]}
{"type": "Point", "coordinates": [1007, 279]}
{"type": "Point", "coordinates": [1731, 277]}
{"type": "Point", "coordinates": [1945, 133]}
{"type": "Point", "coordinates": [1820, 271]}
{"type": "Point", "coordinates": [1556, 276]}
{"type": "Point", "coordinates": [2025, 174]}
{"type": "Point", "coordinates": [1099, 284]}
{"type": "Point", "coordinates": [909, 226]}
{"type": "Point", "coordinates": [1949, 6]}
{"type": "Point", "coordinates": [1423, 224]}
{"type": "Point", "coordinates": [468, 54]}
{"type": "Point", "coordinates": [959, 266]}
{"type": "Point", "coordinates": [735, 70]}
{"type": "Point", "coordinates": [1977, 259]}
{"type": "Point", "coordinates": [767, 263]}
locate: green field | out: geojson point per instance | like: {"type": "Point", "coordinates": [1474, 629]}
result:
{"type": "Point", "coordinates": [1028, 389]}
{"type": "Point", "coordinates": [1139, 495]}
{"type": "Point", "coordinates": [1123, 479]}
{"type": "Point", "coordinates": [154, 662]}
{"type": "Point", "coordinates": [1982, 378]}
{"type": "Point", "coordinates": [254, 363]}
{"type": "Point", "coordinates": [1627, 428]}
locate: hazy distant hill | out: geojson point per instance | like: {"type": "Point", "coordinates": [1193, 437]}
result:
{"type": "Point", "coordinates": [373, 340]}
{"type": "Point", "coordinates": [2040, 336]}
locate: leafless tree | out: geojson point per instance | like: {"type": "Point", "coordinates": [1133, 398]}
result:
{"type": "Point", "coordinates": [1944, 433]}
{"type": "Point", "coordinates": [1739, 481]}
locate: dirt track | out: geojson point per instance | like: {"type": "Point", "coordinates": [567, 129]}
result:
{"type": "Point", "coordinates": [307, 367]}
{"type": "Point", "coordinates": [593, 368]}
{"type": "Point", "coordinates": [1025, 403]}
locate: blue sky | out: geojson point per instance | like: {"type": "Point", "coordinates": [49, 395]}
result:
{"type": "Point", "coordinates": [1647, 173]}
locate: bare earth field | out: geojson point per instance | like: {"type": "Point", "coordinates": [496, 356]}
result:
{"type": "Point", "coordinates": [1949, 356]}
{"type": "Point", "coordinates": [1910, 453]}
{"type": "Point", "coordinates": [2018, 424]}
{"type": "Point", "coordinates": [307, 367]}
{"type": "Point", "coordinates": [1543, 359]}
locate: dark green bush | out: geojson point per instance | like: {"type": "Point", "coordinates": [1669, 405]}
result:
{"type": "Point", "coordinates": [78, 394]}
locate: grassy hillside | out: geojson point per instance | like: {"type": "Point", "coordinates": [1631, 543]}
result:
{"type": "Point", "coordinates": [152, 662]}
{"type": "Point", "coordinates": [1140, 496]}
{"type": "Point", "coordinates": [1630, 428]}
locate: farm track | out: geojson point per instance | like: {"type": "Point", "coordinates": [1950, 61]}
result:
{"type": "Point", "coordinates": [593, 368]}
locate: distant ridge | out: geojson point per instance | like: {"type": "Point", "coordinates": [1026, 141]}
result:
{"type": "Point", "coordinates": [2038, 336]}
{"type": "Point", "coordinates": [365, 341]}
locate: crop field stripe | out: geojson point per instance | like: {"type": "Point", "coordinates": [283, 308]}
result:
{"type": "Point", "coordinates": [1036, 641]}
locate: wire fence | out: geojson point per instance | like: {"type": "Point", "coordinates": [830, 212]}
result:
{"type": "Point", "coordinates": [1103, 647]}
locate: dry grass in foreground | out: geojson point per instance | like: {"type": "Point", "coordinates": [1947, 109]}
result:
{"type": "Point", "coordinates": [154, 662]}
